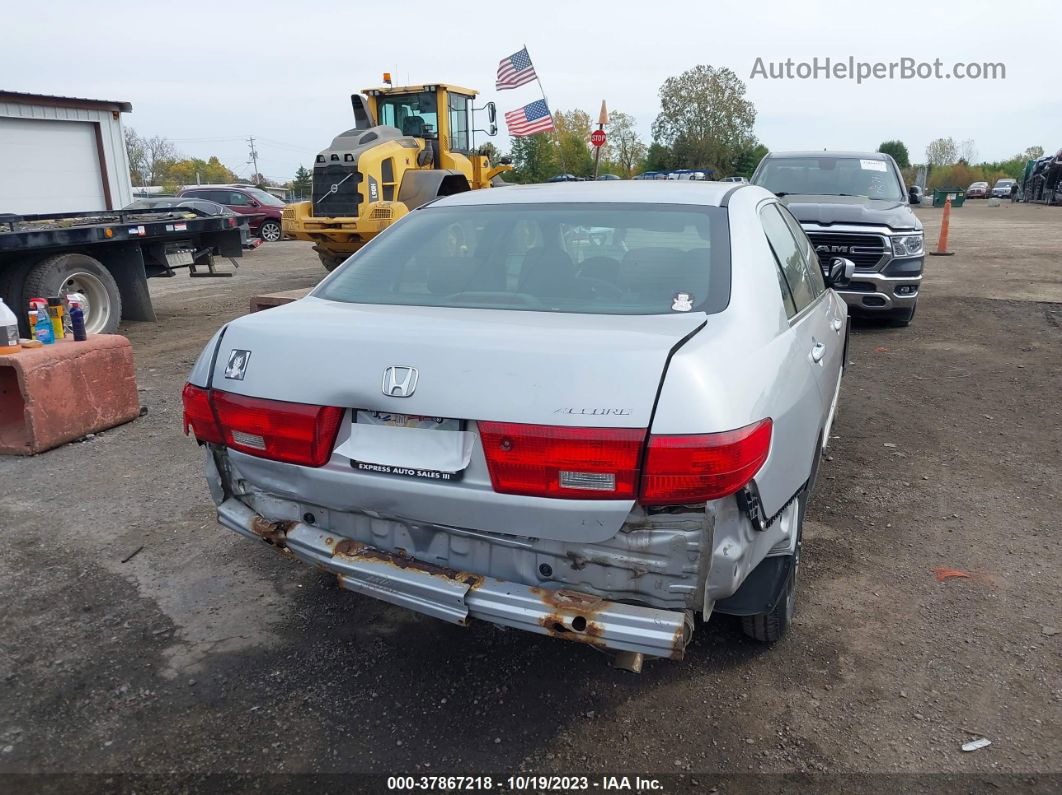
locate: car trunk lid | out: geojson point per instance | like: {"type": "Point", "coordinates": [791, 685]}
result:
{"type": "Point", "coordinates": [473, 365]}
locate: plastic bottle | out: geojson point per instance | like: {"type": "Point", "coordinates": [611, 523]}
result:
{"type": "Point", "coordinates": [44, 330]}
{"type": "Point", "coordinates": [69, 299]}
{"type": "Point", "coordinates": [77, 322]}
{"type": "Point", "coordinates": [34, 305]}
{"type": "Point", "coordinates": [55, 311]}
{"type": "Point", "coordinates": [8, 330]}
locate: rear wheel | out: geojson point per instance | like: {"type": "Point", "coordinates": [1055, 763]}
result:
{"type": "Point", "coordinates": [772, 625]}
{"type": "Point", "coordinates": [78, 273]}
{"type": "Point", "coordinates": [270, 231]}
{"type": "Point", "coordinates": [331, 261]}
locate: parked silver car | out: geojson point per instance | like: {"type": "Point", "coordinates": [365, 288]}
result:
{"type": "Point", "coordinates": [487, 413]}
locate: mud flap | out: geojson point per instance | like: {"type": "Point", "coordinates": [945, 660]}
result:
{"type": "Point", "coordinates": [126, 264]}
{"type": "Point", "coordinates": [761, 590]}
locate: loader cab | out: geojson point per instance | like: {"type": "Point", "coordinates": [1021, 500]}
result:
{"type": "Point", "coordinates": [441, 113]}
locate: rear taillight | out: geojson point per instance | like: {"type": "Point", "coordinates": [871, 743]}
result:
{"type": "Point", "coordinates": [199, 414]}
{"type": "Point", "coordinates": [553, 461]}
{"type": "Point", "coordinates": [687, 469]}
{"type": "Point", "coordinates": [296, 433]}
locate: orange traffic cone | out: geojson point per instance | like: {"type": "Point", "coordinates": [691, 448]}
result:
{"type": "Point", "coordinates": [942, 243]}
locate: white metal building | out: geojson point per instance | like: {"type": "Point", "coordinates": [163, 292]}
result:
{"type": "Point", "coordinates": [61, 154]}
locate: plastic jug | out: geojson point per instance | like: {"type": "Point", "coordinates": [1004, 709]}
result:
{"type": "Point", "coordinates": [8, 330]}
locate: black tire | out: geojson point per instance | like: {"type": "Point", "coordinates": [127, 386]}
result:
{"type": "Point", "coordinates": [331, 261]}
{"type": "Point", "coordinates": [78, 273]}
{"type": "Point", "coordinates": [901, 318]}
{"type": "Point", "coordinates": [770, 627]}
{"type": "Point", "coordinates": [12, 279]}
{"type": "Point", "coordinates": [270, 231]}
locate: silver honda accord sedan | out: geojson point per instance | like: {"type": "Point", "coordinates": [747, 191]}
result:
{"type": "Point", "coordinates": [593, 411]}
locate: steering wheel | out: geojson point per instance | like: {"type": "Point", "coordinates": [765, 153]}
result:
{"type": "Point", "coordinates": [600, 288]}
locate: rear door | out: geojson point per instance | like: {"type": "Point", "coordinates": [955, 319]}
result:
{"type": "Point", "coordinates": [809, 305]}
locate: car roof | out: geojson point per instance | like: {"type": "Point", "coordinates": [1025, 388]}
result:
{"type": "Point", "coordinates": [860, 155]}
{"type": "Point", "coordinates": [709, 194]}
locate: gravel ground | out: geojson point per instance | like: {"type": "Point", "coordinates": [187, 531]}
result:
{"type": "Point", "coordinates": [205, 653]}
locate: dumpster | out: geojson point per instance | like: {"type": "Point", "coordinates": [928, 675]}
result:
{"type": "Point", "coordinates": [941, 195]}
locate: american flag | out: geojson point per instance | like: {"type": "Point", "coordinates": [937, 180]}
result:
{"type": "Point", "coordinates": [516, 70]}
{"type": "Point", "coordinates": [530, 119]}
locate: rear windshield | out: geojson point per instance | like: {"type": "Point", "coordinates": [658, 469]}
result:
{"type": "Point", "coordinates": [830, 176]}
{"type": "Point", "coordinates": [637, 259]}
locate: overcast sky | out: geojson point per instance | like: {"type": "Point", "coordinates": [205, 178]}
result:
{"type": "Point", "coordinates": [207, 75]}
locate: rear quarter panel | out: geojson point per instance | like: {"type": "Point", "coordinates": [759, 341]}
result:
{"type": "Point", "coordinates": [748, 364]}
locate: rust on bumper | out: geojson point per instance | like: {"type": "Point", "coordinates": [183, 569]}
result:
{"type": "Point", "coordinates": [458, 596]}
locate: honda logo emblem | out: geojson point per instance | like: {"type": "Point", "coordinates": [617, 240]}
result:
{"type": "Point", "coordinates": [399, 381]}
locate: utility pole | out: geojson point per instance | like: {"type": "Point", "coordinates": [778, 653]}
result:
{"type": "Point", "coordinates": [254, 159]}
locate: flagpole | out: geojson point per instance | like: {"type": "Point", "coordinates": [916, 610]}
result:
{"type": "Point", "coordinates": [539, 80]}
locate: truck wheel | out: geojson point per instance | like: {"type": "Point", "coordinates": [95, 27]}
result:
{"type": "Point", "coordinates": [270, 231]}
{"type": "Point", "coordinates": [331, 261]}
{"type": "Point", "coordinates": [771, 626]}
{"type": "Point", "coordinates": [12, 278]}
{"type": "Point", "coordinates": [77, 273]}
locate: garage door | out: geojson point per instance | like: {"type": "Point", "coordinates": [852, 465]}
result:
{"type": "Point", "coordinates": [49, 166]}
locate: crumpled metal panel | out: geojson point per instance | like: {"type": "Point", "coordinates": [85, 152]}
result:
{"type": "Point", "coordinates": [659, 560]}
{"type": "Point", "coordinates": [455, 596]}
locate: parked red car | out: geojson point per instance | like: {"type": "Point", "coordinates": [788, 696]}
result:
{"type": "Point", "coordinates": [246, 200]}
{"type": "Point", "coordinates": [978, 190]}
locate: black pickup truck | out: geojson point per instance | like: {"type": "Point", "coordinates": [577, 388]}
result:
{"type": "Point", "coordinates": [854, 205]}
{"type": "Point", "coordinates": [108, 256]}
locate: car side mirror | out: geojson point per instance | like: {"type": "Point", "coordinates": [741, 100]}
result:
{"type": "Point", "coordinates": [840, 272]}
{"type": "Point", "coordinates": [506, 161]}
{"type": "Point", "coordinates": [493, 129]}
{"type": "Point", "coordinates": [912, 194]}
{"type": "Point", "coordinates": [492, 113]}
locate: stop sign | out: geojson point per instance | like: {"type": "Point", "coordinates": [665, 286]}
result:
{"type": "Point", "coordinates": [597, 138]}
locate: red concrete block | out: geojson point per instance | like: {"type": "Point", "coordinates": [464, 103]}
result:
{"type": "Point", "coordinates": [58, 393]}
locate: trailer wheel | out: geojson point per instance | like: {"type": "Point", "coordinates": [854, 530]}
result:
{"type": "Point", "coordinates": [78, 273]}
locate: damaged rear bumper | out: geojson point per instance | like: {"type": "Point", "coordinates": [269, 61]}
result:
{"type": "Point", "coordinates": [457, 596]}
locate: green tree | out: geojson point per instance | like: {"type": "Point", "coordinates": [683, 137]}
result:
{"type": "Point", "coordinates": [625, 149]}
{"type": "Point", "coordinates": [194, 170]}
{"type": "Point", "coordinates": [704, 117]}
{"type": "Point", "coordinates": [898, 151]}
{"type": "Point", "coordinates": [942, 152]}
{"type": "Point", "coordinates": [490, 151]}
{"type": "Point", "coordinates": [571, 139]}
{"type": "Point", "coordinates": [747, 160]}
{"type": "Point", "coordinates": [302, 185]}
{"type": "Point", "coordinates": [533, 159]}
{"type": "Point", "coordinates": [1032, 153]}
{"type": "Point", "coordinates": [658, 157]}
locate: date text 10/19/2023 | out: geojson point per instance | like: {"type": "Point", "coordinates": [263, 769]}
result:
{"type": "Point", "coordinates": [524, 783]}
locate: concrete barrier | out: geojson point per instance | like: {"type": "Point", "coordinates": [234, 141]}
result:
{"type": "Point", "coordinates": [58, 393]}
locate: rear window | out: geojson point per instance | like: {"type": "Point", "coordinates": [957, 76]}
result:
{"type": "Point", "coordinates": [636, 259]}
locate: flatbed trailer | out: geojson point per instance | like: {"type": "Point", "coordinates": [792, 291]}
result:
{"type": "Point", "coordinates": [108, 256]}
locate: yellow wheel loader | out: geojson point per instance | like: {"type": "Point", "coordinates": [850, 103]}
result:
{"type": "Point", "coordinates": [409, 145]}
